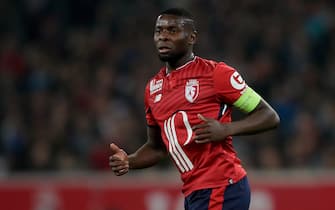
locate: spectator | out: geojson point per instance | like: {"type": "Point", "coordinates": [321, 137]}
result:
{"type": "Point", "coordinates": [79, 76]}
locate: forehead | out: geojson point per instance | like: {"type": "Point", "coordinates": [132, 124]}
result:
{"type": "Point", "coordinates": [170, 20]}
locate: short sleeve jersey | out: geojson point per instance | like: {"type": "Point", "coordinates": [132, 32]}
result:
{"type": "Point", "coordinates": [172, 102]}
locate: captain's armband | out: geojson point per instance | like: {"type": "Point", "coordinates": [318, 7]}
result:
{"type": "Point", "coordinates": [248, 100]}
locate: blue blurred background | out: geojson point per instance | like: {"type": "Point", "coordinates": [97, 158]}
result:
{"type": "Point", "coordinates": [72, 76]}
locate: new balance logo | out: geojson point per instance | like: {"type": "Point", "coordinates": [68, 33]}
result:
{"type": "Point", "coordinates": [155, 86]}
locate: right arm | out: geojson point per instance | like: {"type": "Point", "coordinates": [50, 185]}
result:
{"type": "Point", "coordinates": [150, 153]}
{"type": "Point", "coordinates": [146, 156]}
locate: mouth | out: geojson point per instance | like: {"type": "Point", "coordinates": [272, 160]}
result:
{"type": "Point", "coordinates": [164, 50]}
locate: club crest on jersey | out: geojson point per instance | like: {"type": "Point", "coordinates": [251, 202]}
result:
{"type": "Point", "coordinates": [192, 90]}
{"type": "Point", "coordinates": [155, 86]}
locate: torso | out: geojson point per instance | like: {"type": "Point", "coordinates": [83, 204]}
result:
{"type": "Point", "coordinates": [174, 100]}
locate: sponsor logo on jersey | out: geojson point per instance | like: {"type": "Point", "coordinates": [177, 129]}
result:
{"type": "Point", "coordinates": [192, 90]}
{"type": "Point", "coordinates": [155, 86]}
{"type": "Point", "coordinates": [237, 81]}
{"type": "Point", "coordinates": [158, 97]}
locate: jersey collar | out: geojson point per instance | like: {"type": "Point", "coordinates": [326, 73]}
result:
{"type": "Point", "coordinates": [181, 67]}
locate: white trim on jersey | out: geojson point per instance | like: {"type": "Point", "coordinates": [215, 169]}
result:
{"type": "Point", "coordinates": [168, 134]}
{"type": "Point", "coordinates": [180, 67]}
{"type": "Point", "coordinates": [176, 151]}
{"type": "Point", "coordinates": [188, 128]}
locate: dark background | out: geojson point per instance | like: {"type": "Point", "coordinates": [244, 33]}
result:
{"type": "Point", "coordinates": [72, 76]}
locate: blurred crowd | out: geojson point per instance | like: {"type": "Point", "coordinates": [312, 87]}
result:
{"type": "Point", "coordinates": [72, 76]}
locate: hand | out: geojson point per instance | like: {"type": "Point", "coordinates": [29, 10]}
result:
{"type": "Point", "coordinates": [118, 160]}
{"type": "Point", "coordinates": [209, 130]}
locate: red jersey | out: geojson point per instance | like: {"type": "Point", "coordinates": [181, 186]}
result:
{"type": "Point", "coordinates": [172, 101]}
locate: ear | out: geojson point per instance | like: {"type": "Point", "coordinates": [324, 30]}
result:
{"type": "Point", "coordinates": [192, 39]}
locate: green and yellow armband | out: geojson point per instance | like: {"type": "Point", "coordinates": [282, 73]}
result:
{"type": "Point", "coordinates": [248, 100]}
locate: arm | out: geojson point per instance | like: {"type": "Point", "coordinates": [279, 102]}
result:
{"type": "Point", "coordinates": [262, 118]}
{"type": "Point", "coordinates": [230, 88]}
{"type": "Point", "coordinates": [147, 155]}
{"type": "Point", "coordinates": [150, 153]}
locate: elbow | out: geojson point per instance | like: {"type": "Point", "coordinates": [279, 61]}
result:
{"type": "Point", "coordinates": [274, 119]}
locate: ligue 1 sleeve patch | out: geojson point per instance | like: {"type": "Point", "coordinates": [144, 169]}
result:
{"type": "Point", "coordinates": [191, 90]}
{"type": "Point", "coordinates": [237, 81]}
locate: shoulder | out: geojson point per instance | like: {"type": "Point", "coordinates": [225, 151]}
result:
{"type": "Point", "coordinates": [214, 65]}
{"type": "Point", "coordinates": [155, 80]}
{"type": "Point", "coordinates": [222, 66]}
{"type": "Point", "coordinates": [159, 75]}
{"type": "Point", "coordinates": [226, 76]}
{"type": "Point", "coordinates": [223, 70]}
{"type": "Point", "coordinates": [206, 62]}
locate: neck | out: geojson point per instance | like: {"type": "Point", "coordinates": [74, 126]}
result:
{"type": "Point", "coordinates": [171, 66]}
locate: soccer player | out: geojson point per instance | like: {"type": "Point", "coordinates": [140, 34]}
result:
{"type": "Point", "coordinates": [188, 106]}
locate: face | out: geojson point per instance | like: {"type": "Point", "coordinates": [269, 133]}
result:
{"type": "Point", "coordinates": [173, 37]}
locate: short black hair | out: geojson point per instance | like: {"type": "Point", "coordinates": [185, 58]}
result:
{"type": "Point", "coordinates": [183, 13]}
{"type": "Point", "coordinates": [180, 12]}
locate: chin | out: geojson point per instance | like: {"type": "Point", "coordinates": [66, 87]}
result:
{"type": "Point", "coordinates": [165, 58]}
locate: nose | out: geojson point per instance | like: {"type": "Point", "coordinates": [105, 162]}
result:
{"type": "Point", "coordinates": [163, 35]}
{"type": "Point", "coordinates": [162, 38]}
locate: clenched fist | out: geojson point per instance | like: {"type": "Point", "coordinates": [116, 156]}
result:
{"type": "Point", "coordinates": [118, 160]}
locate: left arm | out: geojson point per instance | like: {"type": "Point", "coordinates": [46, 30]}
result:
{"type": "Point", "coordinates": [232, 89]}
{"type": "Point", "coordinates": [262, 118]}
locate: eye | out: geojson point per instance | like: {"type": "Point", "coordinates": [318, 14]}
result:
{"type": "Point", "coordinates": [158, 30]}
{"type": "Point", "coordinates": [173, 30]}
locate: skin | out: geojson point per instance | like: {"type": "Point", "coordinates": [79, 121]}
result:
{"type": "Point", "coordinates": [175, 34]}
{"type": "Point", "coordinates": [174, 38]}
